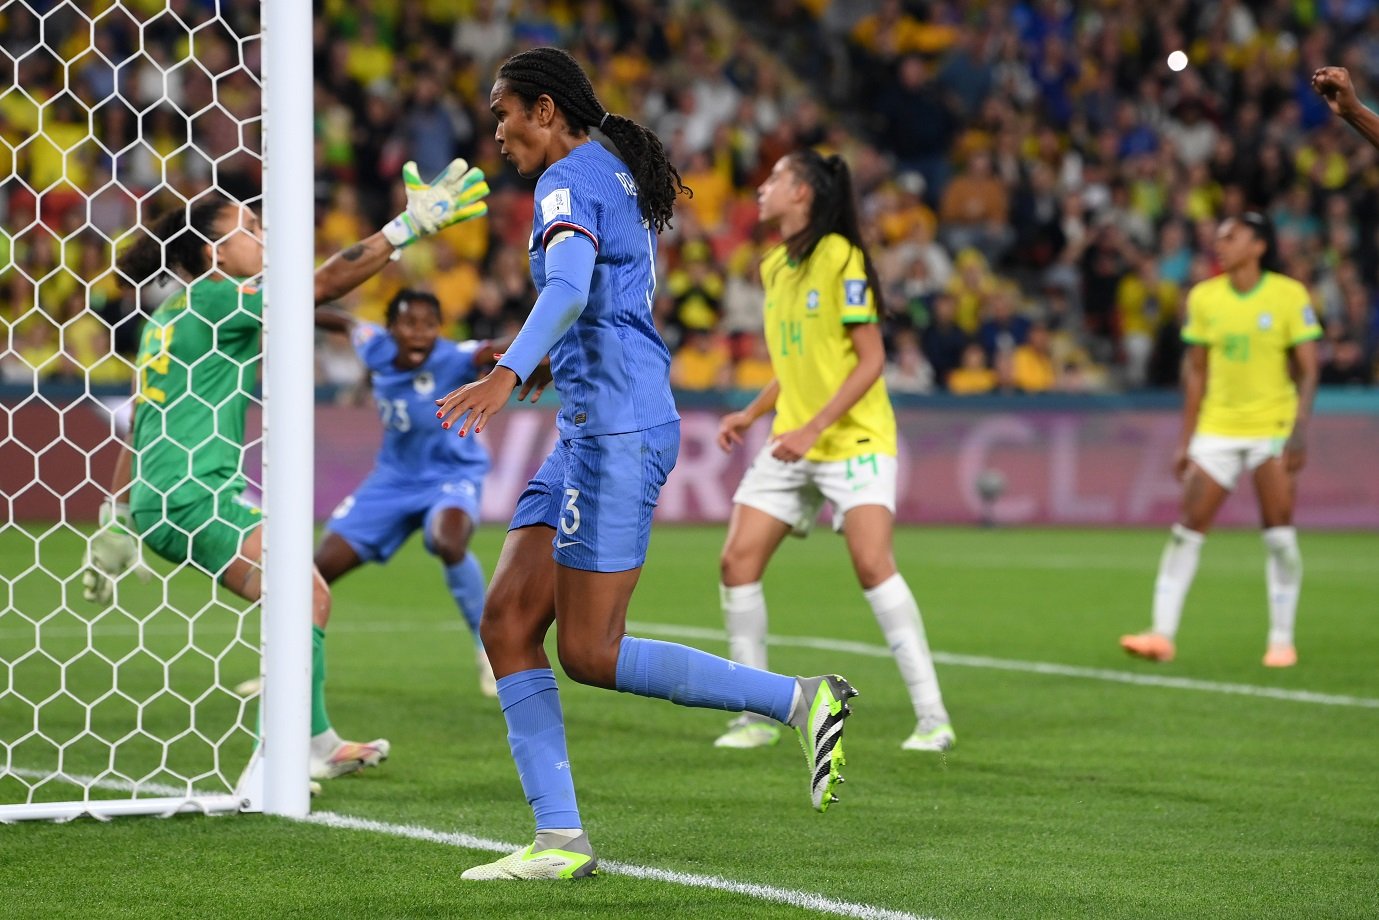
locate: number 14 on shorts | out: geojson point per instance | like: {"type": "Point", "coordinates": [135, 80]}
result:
{"type": "Point", "coordinates": [857, 467]}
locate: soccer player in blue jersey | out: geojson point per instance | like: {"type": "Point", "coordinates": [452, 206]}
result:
{"type": "Point", "coordinates": [593, 257]}
{"type": "Point", "coordinates": [423, 478]}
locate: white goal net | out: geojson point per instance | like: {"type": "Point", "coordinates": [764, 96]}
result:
{"type": "Point", "coordinates": [111, 113]}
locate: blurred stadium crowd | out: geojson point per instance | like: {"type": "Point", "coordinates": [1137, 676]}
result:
{"type": "Point", "coordinates": [1039, 189]}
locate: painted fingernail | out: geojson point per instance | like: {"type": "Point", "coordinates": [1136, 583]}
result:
{"type": "Point", "coordinates": [445, 424]}
{"type": "Point", "coordinates": [440, 414]}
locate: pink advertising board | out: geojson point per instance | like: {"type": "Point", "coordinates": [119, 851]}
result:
{"type": "Point", "coordinates": [1073, 468]}
{"type": "Point", "coordinates": [1099, 468]}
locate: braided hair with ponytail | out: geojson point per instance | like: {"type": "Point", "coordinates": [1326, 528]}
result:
{"type": "Point", "coordinates": [833, 210]}
{"type": "Point", "coordinates": [176, 241]}
{"type": "Point", "coordinates": [529, 75]}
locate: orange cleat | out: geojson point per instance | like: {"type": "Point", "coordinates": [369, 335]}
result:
{"type": "Point", "coordinates": [1149, 645]}
{"type": "Point", "coordinates": [1280, 656]}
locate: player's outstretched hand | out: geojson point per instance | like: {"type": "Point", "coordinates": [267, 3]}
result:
{"type": "Point", "coordinates": [113, 550]}
{"type": "Point", "coordinates": [1333, 84]}
{"type": "Point", "coordinates": [457, 194]}
{"type": "Point", "coordinates": [730, 429]}
{"type": "Point", "coordinates": [480, 401]}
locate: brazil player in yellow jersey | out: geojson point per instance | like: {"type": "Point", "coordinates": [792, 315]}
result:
{"type": "Point", "coordinates": [1250, 376]}
{"type": "Point", "coordinates": [833, 438]}
{"type": "Point", "coordinates": [179, 486]}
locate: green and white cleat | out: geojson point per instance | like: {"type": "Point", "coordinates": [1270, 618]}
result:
{"type": "Point", "coordinates": [818, 717]}
{"type": "Point", "coordinates": [573, 859]}
{"type": "Point", "coordinates": [931, 735]}
{"type": "Point", "coordinates": [748, 731]}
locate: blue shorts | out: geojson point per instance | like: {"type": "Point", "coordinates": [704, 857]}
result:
{"type": "Point", "coordinates": [386, 509]}
{"type": "Point", "coordinates": [599, 494]}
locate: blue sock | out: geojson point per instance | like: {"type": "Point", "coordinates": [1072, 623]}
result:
{"type": "Point", "coordinates": [690, 677]}
{"type": "Point", "coordinates": [465, 579]}
{"type": "Point", "coordinates": [536, 734]}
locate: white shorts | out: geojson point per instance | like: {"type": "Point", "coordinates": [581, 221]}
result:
{"type": "Point", "coordinates": [1224, 458]}
{"type": "Point", "coordinates": [795, 492]}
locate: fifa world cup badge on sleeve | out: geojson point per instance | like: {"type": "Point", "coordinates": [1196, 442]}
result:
{"type": "Point", "coordinates": [556, 204]}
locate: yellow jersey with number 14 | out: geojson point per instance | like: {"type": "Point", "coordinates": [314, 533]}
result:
{"type": "Point", "coordinates": [809, 308]}
{"type": "Point", "coordinates": [1250, 393]}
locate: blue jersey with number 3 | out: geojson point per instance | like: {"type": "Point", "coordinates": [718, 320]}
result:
{"type": "Point", "coordinates": [611, 367]}
{"type": "Point", "coordinates": [414, 444]}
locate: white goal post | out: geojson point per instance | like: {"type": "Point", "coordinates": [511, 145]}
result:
{"type": "Point", "coordinates": [128, 707]}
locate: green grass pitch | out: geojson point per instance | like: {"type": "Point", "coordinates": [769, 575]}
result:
{"type": "Point", "coordinates": [1070, 794]}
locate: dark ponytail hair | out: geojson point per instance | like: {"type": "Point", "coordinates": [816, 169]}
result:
{"type": "Point", "coordinates": [833, 210]}
{"type": "Point", "coordinates": [177, 240]}
{"type": "Point", "coordinates": [552, 72]}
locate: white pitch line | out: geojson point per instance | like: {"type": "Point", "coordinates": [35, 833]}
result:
{"type": "Point", "coordinates": [1030, 667]}
{"type": "Point", "coordinates": [788, 896]}
{"type": "Point", "coordinates": [855, 648]}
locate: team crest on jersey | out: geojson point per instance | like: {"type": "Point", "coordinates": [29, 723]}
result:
{"type": "Point", "coordinates": [424, 383]}
{"type": "Point", "coordinates": [556, 204]}
{"type": "Point", "coordinates": [1266, 322]}
{"type": "Point", "coordinates": [811, 301]}
{"type": "Point", "coordinates": [855, 291]}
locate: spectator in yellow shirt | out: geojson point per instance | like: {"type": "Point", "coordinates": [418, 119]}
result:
{"type": "Point", "coordinates": [753, 370]}
{"type": "Point", "coordinates": [1031, 365]}
{"type": "Point", "coordinates": [974, 377]}
{"type": "Point", "coordinates": [1144, 302]}
{"type": "Point", "coordinates": [702, 363]}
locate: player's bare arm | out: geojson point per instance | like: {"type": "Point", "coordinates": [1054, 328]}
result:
{"type": "Point", "coordinates": [331, 319]}
{"type": "Point", "coordinates": [1194, 386]}
{"type": "Point", "coordinates": [1306, 373]}
{"type": "Point", "coordinates": [1333, 84]}
{"type": "Point", "coordinates": [349, 268]}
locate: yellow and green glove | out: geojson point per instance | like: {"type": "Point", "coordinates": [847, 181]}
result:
{"type": "Point", "coordinates": [456, 194]}
{"type": "Point", "coordinates": [113, 550]}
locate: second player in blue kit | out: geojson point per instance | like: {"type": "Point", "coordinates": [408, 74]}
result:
{"type": "Point", "coordinates": [422, 479]}
{"type": "Point", "coordinates": [579, 535]}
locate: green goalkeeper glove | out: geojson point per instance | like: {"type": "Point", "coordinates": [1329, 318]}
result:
{"type": "Point", "coordinates": [456, 194]}
{"type": "Point", "coordinates": [113, 550]}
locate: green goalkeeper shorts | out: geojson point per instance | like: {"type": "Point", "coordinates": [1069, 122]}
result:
{"type": "Point", "coordinates": [193, 533]}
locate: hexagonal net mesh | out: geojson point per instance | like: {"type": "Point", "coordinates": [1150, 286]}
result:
{"type": "Point", "coordinates": [111, 115]}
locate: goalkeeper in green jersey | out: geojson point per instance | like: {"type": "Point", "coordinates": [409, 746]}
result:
{"type": "Point", "coordinates": [179, 488]}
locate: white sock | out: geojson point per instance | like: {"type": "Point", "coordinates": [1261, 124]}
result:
{"type": "Point", "coordinates": [744, 615]}
{"type": "Point", "coordinates": [324, 744]}
{"type": "Point", "coordinates": [898, 615]}
{"type": "Point", "coordinates": [1177, 567]}
{"type": "Point", "coordinates": [1283, 574]}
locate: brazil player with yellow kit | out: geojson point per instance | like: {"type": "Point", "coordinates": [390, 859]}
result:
{"type": "Point", "coordinates": [833, 438]}
{"type": "Point", "coordinates": [179, 486]}
{"type": "Point", "coordinates": [1250, 376]}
